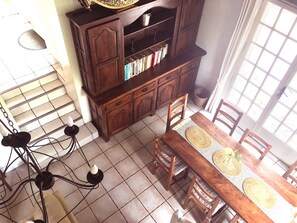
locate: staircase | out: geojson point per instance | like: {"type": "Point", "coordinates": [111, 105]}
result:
{"type": "Point", "coordinates": [41, 107]}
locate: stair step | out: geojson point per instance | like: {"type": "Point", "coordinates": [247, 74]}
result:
{"type": "Point", "coordinates": [45, 112]}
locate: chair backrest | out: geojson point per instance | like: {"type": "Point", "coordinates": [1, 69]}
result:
{"type": "Point", "coordinates": [256, 142]}
{"type": "Point", "coordinates": [203, 199]}
{"type": "Point", "coordinates": [291, 174]}
{"type": "Point", "coordinates": [228, 115]}
{"type": "Point", "coordinates": [235, 219]}
{"type": "Point", "coordinates": [176, 111]}
{"type": "Point", "coordinates": [164, 157]}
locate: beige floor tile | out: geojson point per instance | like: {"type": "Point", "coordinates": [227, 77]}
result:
{"type": "Point", "coordinates": [147, 170]}
{"type": "Point", "coordinates": [150, 146]}
{"type": "Point", "coordinates": [142, 157]}
{"type": "Point", "coordinates": [103, 208]}
{"type": "Point", "coordinates": [137, 126]}
{"type": "Point", "coordinates": [106, 145]}
{"type": "Point", "coordinates": [131, 144]}
{"type": "Point", "coordinates": [75, 160]}
{"type": "Point", "coordinates": [116, 154]}
{"type": "Point", "coordinates": [121, 194]}
{"type": "Point", "coordinates": [162, 111]}
{"type": "Point", "coordinates": [64, 187]}
{"type": "Point", "coordinates": [148, 219]}
{"type": "Point", "coordinates": [123, 135]}
{"type": "Point", "coordinates": [91, 150]}
{"type": "Point", "coordinates": [145, 135]}
{"type": "Point", "coordinates": [160, 185]}
{"type": "Point", "coordinates": [18, 213]}
{"type": "Point", "coordinates": [95, 193]}
{"type": "Point", "coordinates": [73, 199]}
{"type": "Point", "coordinates": [177, 200]}
{"type": "Point", "coordinates": [158, 127]}
{"type": "Point", "coordinates": [150, 119]}
{"type": "Point", "coordinates": [111, 179]}
{"type": "Point", "coordinates": [102, 162]}
{"type": "Point", "coordinates": [134, 211]}
{"type": "Point", "coordinates": [127, 167]}
{"type": "Point", "coordinates": [163, 213]}
{"type": "Point", "coordinates": [147, 201]}
{"type": "Point", "coordinates": [116, 218]}
{"type": "Point", "coordinates": [86, 215]}
{"type": "Point", "coordinates": [138, 182]}
{"type": "Point", "coordinates": [194, 215]}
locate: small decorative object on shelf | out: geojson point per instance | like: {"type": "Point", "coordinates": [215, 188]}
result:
{"type": "Point", "coordinates": [146, 18]}
{"type": "Point", "coordinates": [112, 4]}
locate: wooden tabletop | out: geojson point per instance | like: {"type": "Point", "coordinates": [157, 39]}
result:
{"type": "Point", "coordinates": [218, 182]}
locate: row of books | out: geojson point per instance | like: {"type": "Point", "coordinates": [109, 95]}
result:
{"type": "Point", "coordinates": [144, 60]}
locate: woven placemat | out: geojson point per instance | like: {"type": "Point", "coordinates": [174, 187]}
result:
{"type": "Point", "coordinates": [198, 137]}
{"type": "Point", "coordinates": [226, 164]}
{"type": "Point", "coordinates": [260, 193]}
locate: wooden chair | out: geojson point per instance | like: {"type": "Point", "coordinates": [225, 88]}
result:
{"type": "Point", "coordinates": [291, 174]}
{"type": "Point", "coordinates": [165, 158]}
{"type": "Point", "coordinates": [236, 219]}
{"type": "Point", "coordinates": [4, 182]}
{"type": "Point", "coordinates": [176, 111]}
{"type": "Point", "coordinates": [256, 142]}
{"type": "Point", "coordinates": [228, 115]}
{"type": "Point", "coordinates": [204, 198]}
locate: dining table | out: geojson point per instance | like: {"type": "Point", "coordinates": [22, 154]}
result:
{"type": "Point", "coordinates": [230, 188]}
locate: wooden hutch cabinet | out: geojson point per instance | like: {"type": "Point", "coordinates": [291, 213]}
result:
{"type": "Point", "coordinates": [163, 56]}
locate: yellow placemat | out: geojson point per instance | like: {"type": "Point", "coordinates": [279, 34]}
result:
{"type": "Point", "coordinates": [226, 164]}
{"type": "Point", "coordinates": [260, 193]}
{"type": "Point", "coordinates": [198, 137]}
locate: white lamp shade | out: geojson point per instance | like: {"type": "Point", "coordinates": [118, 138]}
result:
{"type": "Point", "coordinates": [70, 121]}
{"type": "Point", "coordinates": [94, 169]}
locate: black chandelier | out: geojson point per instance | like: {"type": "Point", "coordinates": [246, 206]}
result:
{"type": "Point", "coordinates": [44, 179]}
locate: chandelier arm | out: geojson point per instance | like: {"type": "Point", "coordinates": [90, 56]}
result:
{"type": "Point", "coordinates": [8, 164]}
{"type": "Point", "coordinates": [43, 210]}
{"type": "Point", "coordinates": [80, 150]}
{"type": "Point", "coordinates": [9, 218]}
{"type": "Point", "coordinates": [15, 192]}
{"type": "Point", "coordinates": [87, 185]}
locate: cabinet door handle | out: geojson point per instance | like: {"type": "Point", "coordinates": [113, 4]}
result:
{"type": "Point", "coordinates": [144, 89]}
{"type": "Point", "coordinates": [118, 103]}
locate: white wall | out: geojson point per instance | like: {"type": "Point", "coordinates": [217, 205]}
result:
{"type": "Point", "coordinates": [218, 21]}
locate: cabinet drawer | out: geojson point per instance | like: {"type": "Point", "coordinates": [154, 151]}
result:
{"type": "Point", "coordinates": [144, 89]}
{"type": "Point", "coordinates": [190, 66]}
{"type": "Point", "coordinates": [168, 77]}
{"type": "Point", "coordinates": [122, 101]}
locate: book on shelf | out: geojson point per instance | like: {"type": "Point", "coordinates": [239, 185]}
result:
{"type": "Point", "coordinates": [144, 60]}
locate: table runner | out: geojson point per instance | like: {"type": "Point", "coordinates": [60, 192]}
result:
{"type": "Point", "coordinates": [281, 213]}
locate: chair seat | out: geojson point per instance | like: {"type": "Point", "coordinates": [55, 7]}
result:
{"type": "Point", "coordinates": [179, 166]}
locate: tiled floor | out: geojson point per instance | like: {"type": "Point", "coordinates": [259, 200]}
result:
{"type": "Point", "coordinates": [129, 191]}
{"type": "Point", "coordinates": [19, 65]}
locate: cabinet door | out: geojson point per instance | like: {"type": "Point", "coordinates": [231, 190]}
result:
{"type": "Point", "coordinates": [144, 105]}
{"type": "Point", "coordinates": [189, 24]}
{"type": "Point", "coordinates": [119, 119]}
{"type": "Point", "coordinates": [186, 82]}
{"type": "Point", "coordinates": [166, 92]}
{"type": "Point", "coordinates": [106, 52]}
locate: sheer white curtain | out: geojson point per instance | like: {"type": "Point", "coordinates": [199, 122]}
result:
{"type": "Point", "coordinates": [237, 43]}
